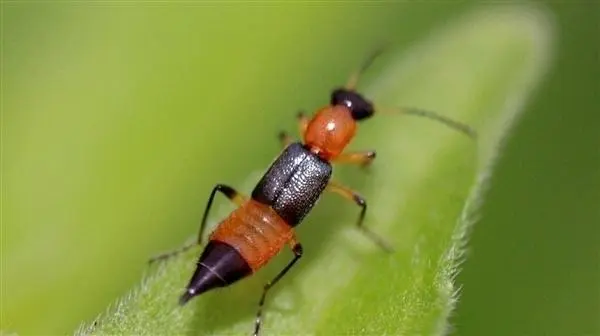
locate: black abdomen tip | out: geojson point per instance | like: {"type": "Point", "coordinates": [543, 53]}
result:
{"type": "Point", "coordinates": [219, 265]}
{"type": "Point", "coordinates": [203, 280]}
{"type": "Point", "coordinates": [187, 296]}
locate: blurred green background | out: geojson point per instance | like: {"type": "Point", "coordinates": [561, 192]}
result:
{"type": "Point", "coordinates": [117, 119]}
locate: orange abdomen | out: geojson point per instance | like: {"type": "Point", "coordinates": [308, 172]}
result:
{"type": "Point", "coordinates": [256, 231]}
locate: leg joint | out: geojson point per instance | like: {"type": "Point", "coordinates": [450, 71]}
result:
{"type": "Point", "coordinates": [298, 250]}
{"type": "Point", "coordinates": [226, 190]}
{"type": "Point", "coordinates": [359, 200]}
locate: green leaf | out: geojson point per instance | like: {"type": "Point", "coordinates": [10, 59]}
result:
{"type": "Point", "coordinates": [423, 192]}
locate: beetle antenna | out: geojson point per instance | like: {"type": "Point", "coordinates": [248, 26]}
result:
{"type": "Point", "coordinates": [456, 125]}
{"type": "Point", "coordinates": [353, 80]}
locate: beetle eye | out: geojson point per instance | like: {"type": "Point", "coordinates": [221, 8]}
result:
{"type": "Point", "coordinates": [359, 106]}
{"type": "Point", "coordinates": [360, 114]}
{"type": "Point", "coordinates": [339, 97]}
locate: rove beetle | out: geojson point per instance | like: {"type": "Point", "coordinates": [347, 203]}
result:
{"type": "Point", "coordinates": [263, 223]}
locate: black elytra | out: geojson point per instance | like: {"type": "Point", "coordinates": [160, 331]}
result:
{"type": "Point", "coordinates": [360, 107]}
{"type": "Point", "coordinates": [293, 183]}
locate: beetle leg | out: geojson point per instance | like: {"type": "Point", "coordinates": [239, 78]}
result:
{"type": "Point", "coordinates": [230, 193]}
{"type": "Point", "coordinates": [351, 195]}
{"type": "Point", "coordinates": [362, 158]}
{"type": "Point", "coordinates": [297, 249]}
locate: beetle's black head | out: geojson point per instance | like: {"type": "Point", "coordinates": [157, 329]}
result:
{"type": "Point", "coordinates": [358, 105]}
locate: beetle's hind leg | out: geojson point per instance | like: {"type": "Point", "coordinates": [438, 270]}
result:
{"type": "Point", "coordinates": [351, 195]}
{"type": "Point", "coordinates": [297, 249]}
{"type": "Point", "coordinates": [232, 194]}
